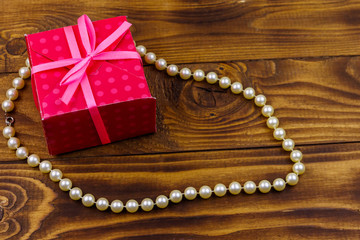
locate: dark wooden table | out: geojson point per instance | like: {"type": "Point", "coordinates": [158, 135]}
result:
{"type": "Point", "coordinates": [303, 55]}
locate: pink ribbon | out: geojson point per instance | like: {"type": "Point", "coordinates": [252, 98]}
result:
{"type": "Point", "coordinates": [77, 75]}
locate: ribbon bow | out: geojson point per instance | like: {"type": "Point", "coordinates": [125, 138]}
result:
{"type": "Point", "coordinates": [77, 75]}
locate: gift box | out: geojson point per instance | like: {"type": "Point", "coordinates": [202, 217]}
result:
{"type": "Point", "coordinates": [89, 85]}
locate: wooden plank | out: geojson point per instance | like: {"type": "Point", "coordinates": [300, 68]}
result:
{"type": "Point", "coordinates": [314, 99]}
{"type": "Point", "coordinates": [324, 205]}
{"type": "Point", "coordinates": [185, 31]}
{"type": "Point", "coordinates": [300, 54]}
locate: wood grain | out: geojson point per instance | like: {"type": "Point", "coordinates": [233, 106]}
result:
{"type": "Point", "coordinates": [303, 55]}
{"type": "Point", "coordinates": [324, 195]}
{"type": "Point", "coordinates": [313, 99]}
{"type": "Point", "coordinates": [227, 30]}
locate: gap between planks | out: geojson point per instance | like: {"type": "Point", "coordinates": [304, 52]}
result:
{"type": "Point", "coordinates": [180, 152]}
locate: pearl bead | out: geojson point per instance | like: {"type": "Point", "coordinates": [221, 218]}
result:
{"type": "Point", "coordinates": [55, 175]}
{"type": "Point", "coordinates": [205, 192]}
{"type": "Point", "coordinates": [296, 156]}
{"type": "Point", "coordinates": [88, 200]}
{"type": "Point", "coordinates": [65, 184]}
{"type": "Point", "coordinates": [224, 82]}
{"type": "Point", "coordinates": [260, 100]}
{"type": "Point", "coordinates": [279, 184]}
{"type": "Point", "coordinates": [150, 57]}
{"type": "Point", "coordinates": [8, 132]}
{"type": "Point", "coordinates": [264, 186]}
{"type": "Point", "coordinates": [75, 193]}
{"type": "Point", "coordinates": [175, 196]}
{"type": "Point", "coordinates": [279, 134]}
{"type": "Point", "coordinates": [267, 110]}
{"type": "Point", "coordinates": [12, 94]}
{"type": "Point", "coordinates": [45, 166]}
{"type": "Point", "coordinates": [190, 193]}
{"type": "Point", "coordinates": [235, 188]}
{"type": "Point", "coordinates": [132, 206]}
{"type": "Point", "coordinates": [288, 144]}
{"type": "Point", "coordinates": [172, 70]}
{"type": "Point", "coordinates": [236, 87]}
{"type": "Point", "coordinates": [24, 72]}
{"type": "Point", "coordinates": [249, 93]}
{"type": "Point", "coordinates": [7, 105]}
{"type": "Point", "coordinates": [199, 75]}
{"type": "Point", "coordinates": [147, 204]}
{"type": "Point", "coordinates": [292, 179]}
{"type": "Point", "coordinates": [18, 83]}
{"type": "Point", "coordinates": [185, 73]}
{"type": "Point", "coordinates": [299, 168]}
{"type": "Point", "coordinates": [211, 77]}
{"type": "Point", "coordinates": [162, 201]}
{"type": "Point", "coordinates": [13, 143]}
{"type": "Point", "coordinates": [33, 160]}
{"type": "Point", "coordinates": [249, 187]}
{"type": "Point", "coordinates": [102, 204]}
{"type": "Point", "coordinates": [117, 206]}
{"type": "Point", "coordinates": [22, 152]}
{"type": "Point", "coordinates": [27, 62]}
{"type": "Point", "coordinates": [160, 64]}
{"type": "Point", "coordinates": [220, 190]}
{"type": "Point", "coordinates": [272, 122]}
{"type": "Point", "coordinates": [141, 50]}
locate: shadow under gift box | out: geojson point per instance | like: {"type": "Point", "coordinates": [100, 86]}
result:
{"type": "Point", "coordinates": [119, 87]}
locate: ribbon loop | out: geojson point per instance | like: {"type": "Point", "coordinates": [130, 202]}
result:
{"type": "Point", "coordinates": [87, 33]}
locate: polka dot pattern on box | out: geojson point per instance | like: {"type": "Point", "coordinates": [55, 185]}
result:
{"type": "Point", "coordinates": [111, 82]}
{"type": "Point", "coordinates": [130, 119]}
{"type": "Point", "coordinates": [119, 87]}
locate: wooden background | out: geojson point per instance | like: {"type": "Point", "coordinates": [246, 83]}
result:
{"type": "Point", "coordinates": [303, 55]}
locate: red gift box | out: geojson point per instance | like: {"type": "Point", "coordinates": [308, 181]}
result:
{"type": "Point", "coordinates": [89, 85]}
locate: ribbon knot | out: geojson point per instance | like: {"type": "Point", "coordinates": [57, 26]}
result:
{"type": "Point", "coordinates": [91, 55]}
{"type": "Point", "coordinates": [77, 74]}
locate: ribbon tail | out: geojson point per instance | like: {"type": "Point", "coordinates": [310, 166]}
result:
{"type": "Point", "coordinates": [76, 72]}
{"type": "Point", "coordinates": [69, 92]}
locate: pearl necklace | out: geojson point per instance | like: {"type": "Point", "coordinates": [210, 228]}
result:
{"type": "Point", "coordinates": [175, 196]}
